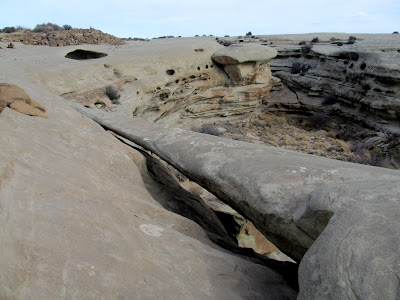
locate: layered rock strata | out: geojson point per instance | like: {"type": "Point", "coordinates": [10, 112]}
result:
{"type": "Point", "coordinates": [300, 202]}
{"type": "Point", "coordinates": [192, 87]}
{"type": "Point", "coordinates": [357, 78]}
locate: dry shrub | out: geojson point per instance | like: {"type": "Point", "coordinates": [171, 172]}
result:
{"type": "Point", "coordinates": [209, 129]}
{"type": "Point", "coordinates": [113, 94]}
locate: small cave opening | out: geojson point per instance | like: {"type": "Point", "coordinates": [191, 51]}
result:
{"type": "Point", "coordinates": [170, 72]}
{"type": "Point", "coordinates": [80, 54]}
{"type": "Point", "coordinates": [363, 66]}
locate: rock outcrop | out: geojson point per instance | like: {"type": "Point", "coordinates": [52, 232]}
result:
{"type": "Point", "coordinates": [183, 83]}
{"type": "Point", "coordinates": [357, 78]}
{"type": "Point", "coordinates": [246, 64]}
{"type": "Point", "coordinates": [76, 221]}
{"type": "Point", "coordinates": [352, 82]}
{"type": "Point", "coordinates": [16, 98]}
{"type": "Point", "coordinates": [298, 201]}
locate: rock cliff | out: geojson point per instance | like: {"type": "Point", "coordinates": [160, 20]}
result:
{"type": "Point", "coordinates": [346, 78]}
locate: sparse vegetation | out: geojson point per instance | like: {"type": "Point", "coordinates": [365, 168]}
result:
{"type": "Point", "coordinates": [318, 120]}
{"type": "Point", "coordinates": [47, 27]}
{"type": "Point", "coordinates": [113, 94]}
{"type": "Point", "coordinates": [249, 33]}
{"type": "Point", "coordinates": [306, 49]}
{"type": "Point", "coordinates": [209, 129]}
{"type": "Point", "coordinates": [44, 27]}
{"type": "Point", "coordinates": [299, 68]}
{"type": "Point", "coordinates": [351, 40]}
{"type": "Point", "coordinates": [302, 43]}
{"type": "Point", "coordinates": [315, 40]}
{"type": "Point", "coordinates": [329, 100]}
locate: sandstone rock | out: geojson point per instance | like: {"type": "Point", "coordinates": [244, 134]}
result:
{"type": "Point", "coordinates": [238, 54]}
{"type": "Point", "coordinates": [71, 227]}
{"type": "Point", "coordinates": [291, 198]}
{"type": "Point", "coordinates": [16, 98]}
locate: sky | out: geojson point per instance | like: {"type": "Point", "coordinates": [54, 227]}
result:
{"type": "Point", "coordinates": [154, 18]}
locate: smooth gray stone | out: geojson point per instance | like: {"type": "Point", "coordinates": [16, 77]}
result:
{"type": "Point", "coordinates": [291, 198]}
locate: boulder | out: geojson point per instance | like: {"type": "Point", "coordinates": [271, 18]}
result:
{"type": "Point", "coordinates": [16, 98]}
{"type": "Point", "coordinates": [346, 213]}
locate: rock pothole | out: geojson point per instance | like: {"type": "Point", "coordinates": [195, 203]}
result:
{"type": "Point", "coordinates": [81, 54]}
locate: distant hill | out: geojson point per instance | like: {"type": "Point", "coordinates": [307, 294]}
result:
{"type": "Point", "coordinates": [61, 38]}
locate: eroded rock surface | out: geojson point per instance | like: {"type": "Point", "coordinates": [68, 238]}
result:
{"type": "Point", "coordinates": [358, 78]}
{"type": "Point", "coordinates": [246, 64]}
{"type": "Point", "coordinates": [76, 221]}
{"type": "Point", "coordinates": [282, 193]}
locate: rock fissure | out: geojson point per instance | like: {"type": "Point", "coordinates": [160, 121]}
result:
{"type": "Point", "coordinates": [193, 207]}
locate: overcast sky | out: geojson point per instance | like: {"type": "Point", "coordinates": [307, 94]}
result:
{"type": "Point", "coordinates": [153, 18]}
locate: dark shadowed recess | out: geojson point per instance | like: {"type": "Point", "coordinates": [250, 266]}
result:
{"type": "Point", "coordinates": [80, 54]}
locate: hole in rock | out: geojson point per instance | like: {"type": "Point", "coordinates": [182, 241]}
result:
{"type": "Point", "coordinates": [170, 72]}
{"type": "Point", "coordinates": [199, 50]}
{"type": "Point", "coordinates": [206, 66]}
{"type": "Point", "coordinates": [80, 54]}
{"type": "Point", "coordinates": [363, 66]}
{"type": "Point", "coordinates": [198, 68]}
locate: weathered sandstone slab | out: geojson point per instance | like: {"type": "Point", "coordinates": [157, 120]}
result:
{"type": "Point", "coordinates": [76, 221]}
{"type": "Point", "coordinates": [285, 194]}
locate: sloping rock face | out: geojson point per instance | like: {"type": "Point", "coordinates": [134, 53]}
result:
{"type": "Point", "coordinates": [77, 222]}
{"type": "Point", "coordinates": [16, 98]}
{"type": "Point", "coordinates": [346, 214]}
{"type": "Point", "coordinates": [63, 38]}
